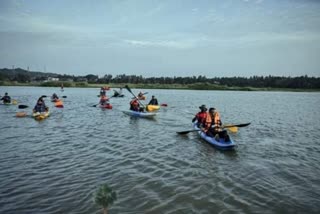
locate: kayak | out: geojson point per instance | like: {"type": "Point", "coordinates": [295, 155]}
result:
{"type": "Point", "coordinates": [121, 95]}
{"type": "Point", "coordinates": [21, 114]}
{"type": "Point", "coordinates": [41, 116]}
{"type": "Point", "coordinates": [152, 107]}
{"type": "Point", "coordinates": [221, 144]}
{"type": "Point", "coordinates": [107, 106]}
{"type": "Point", "coordinates": [140, 114]}
{"type": "Point", "coordinates": [58, 104]}
{"type": "Point", "coordinates": [14, 102]}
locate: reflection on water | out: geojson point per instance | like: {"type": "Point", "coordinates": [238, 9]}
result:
{"type": "Point", "coordinates": [54, 166]}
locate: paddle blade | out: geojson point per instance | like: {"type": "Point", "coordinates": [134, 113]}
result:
{"type": "Point", "coordinates": [238, 125]}
{"type": "Point", "coordinates": [22, 106]}
{"type": "Point", "coordinates": [164, 104]}
{"type": "Point", "coordinates": [64, 96]}
{"type": "Point", "coordinates": [233, 129]}
{"type": "Point", "coordinates": [186, 132]}
{"type": "Point", "coordinates": [44, 96]}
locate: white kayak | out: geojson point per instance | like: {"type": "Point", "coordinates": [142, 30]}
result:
{"type": "Point", "coordinates": [140, 114]}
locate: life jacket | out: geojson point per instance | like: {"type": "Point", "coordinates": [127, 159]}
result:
{"type": "Point", "coordinates": [134, 105]}
{"type": "Point", "coordinates": [216, 119]}
{"type": "Point", "coordinates": [208, 122]}
{"type": "Point", "coordinates": [217, 122]}
{"type": "Point", "coordinates": [201, 117]}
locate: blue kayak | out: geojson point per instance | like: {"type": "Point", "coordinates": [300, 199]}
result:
{"type": "Point", "coordinates": [221, 144]}
{"type": "Point", "coordinates": [140, 114]}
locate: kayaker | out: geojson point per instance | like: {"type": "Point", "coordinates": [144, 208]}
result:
{"type": "Point", "coordinates": [153, 101]}
{"type": "Point", "coordinates": [117, 93]}
{"type": "Point", "coordinates": [213, 126]}
{"type": "Point", "coordinates": [201, 116]}
{"type": "Point", "coordinates": [6, 98]}
{"type": "Point", "coordinates": [135, 106]}
{"type": "Point", "coordinates": [104, 100]}
{"type": "Point", "coordinates": [102, 92]}
{"type": "Point", "coordinates": [54, 96]}
{"type": "Point", "coordinates": [141, 96]}
{"type": "Point", "coordinates": [40, 106]}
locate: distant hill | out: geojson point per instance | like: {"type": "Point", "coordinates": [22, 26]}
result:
{"type": "Point", "coordinates": [11, 73]}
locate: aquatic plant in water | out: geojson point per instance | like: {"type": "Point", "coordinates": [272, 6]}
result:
{"type": "Point", "coordinates": [105, 197]}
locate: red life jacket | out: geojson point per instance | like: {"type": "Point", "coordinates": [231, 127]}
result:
{"type": "Point", "coordinates": [201, 117]}
{"type": "Point", "coordinates": [134, 105]}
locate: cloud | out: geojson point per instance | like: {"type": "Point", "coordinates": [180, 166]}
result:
{"type": "Point", "coordinates": [185, 44]}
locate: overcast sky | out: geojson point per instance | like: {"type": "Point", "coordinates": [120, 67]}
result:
{"type": "Point", "coordinates": [162, 38]}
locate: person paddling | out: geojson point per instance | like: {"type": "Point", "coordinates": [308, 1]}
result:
{"type": "Point", "coordinates": [102, 92]}
{"type": "Point", "coordinates": [117, 93]}
{"type": "Point", "coordinates": [141, 96]}
{"type": "Point", "coordinates": [135, 106]}
{"type": "Point", "coordinates": [201, 116]}
{"type": "Point", "coordinates": [104, 100]}
{"type": "Point", "coordinates": [213, 126]}
{"type": "Point", "coordinates": [54, 97]}
{"type": "Point", "coordinates": [153, 101]}
{"type": "Point", "coordinates": [6, 98]}
{"type": "Point", "coordinates": [40, 106]}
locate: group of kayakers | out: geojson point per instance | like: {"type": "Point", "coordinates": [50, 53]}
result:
{"type": "Point", "coordinates": [135, 104]}
{"type": "Point", "coordinates": [210, 123]}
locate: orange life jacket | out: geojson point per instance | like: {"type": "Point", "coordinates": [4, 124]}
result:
{"type": "Point", "coordinates": [216, 119]}
{"type": "Point", "coordinates": [208, 122]}
{"type": "Point", "coordinates": [217, 122]}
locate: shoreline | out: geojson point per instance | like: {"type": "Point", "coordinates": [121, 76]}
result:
{"type": "Point", "coordinates": [197, 86]}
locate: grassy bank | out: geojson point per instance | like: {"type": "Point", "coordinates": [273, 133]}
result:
{"type": "Point", "coordinates": [196, 86]}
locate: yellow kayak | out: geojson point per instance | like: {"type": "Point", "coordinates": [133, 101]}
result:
{"type": "Point", "coordinates": [152, 107]}
{"type": "Point", "coordinates": [41, 116]}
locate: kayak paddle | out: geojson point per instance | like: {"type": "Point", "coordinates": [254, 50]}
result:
{"type": "Point", "coordinates": [226, 126]}
{"type": "Point", "coordinates": [186, 132]}
{"type": "Point", "coordinates": [22, 106]}
{"type": "Point", "coordinates": [239, 125]}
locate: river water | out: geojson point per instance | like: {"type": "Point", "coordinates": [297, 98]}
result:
{"type": "Point", "coordinates": [56, 165]}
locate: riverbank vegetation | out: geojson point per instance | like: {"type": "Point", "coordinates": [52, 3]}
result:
{"type": "Point", "coordinates": [20, 77]}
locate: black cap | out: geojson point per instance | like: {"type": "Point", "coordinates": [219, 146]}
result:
{"type": "Point", "coordinates": [202, 107]}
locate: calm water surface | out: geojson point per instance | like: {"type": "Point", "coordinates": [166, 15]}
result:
{"type": "Point", "coordinates": [55, 166]}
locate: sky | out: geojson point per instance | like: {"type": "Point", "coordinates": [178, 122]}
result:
{"type": "Point", "coordinates": [162, 38]}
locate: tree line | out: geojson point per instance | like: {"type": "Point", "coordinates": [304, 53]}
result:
{"type": "Point", "coordinates": [300, 82]}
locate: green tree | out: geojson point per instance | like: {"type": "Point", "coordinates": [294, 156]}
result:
{"type": "Point", "coordinates": [105, 197]}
